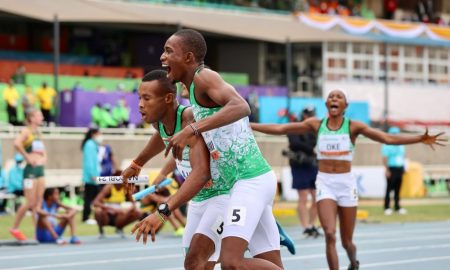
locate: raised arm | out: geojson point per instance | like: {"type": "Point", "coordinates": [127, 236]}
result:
{"type": "Point", "coordinates": [223, 94]}
{"type": "Point", "coordinates": [396, 139]}
{"type": "Point", "coordinates": [289, 128]}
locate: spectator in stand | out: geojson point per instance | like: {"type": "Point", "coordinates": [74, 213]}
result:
{"type": "Point", "coordinates": [96, 114]}
{"type": "Point", "coordinates": [91, 169]}
{"type": "Point", "coordinates": [19, 76]}
{"type": "Point", "coordinates": [46, 96]}
{"type": "Point", "coordinates": [11, 96]}
{"type": "Point", "coordinates": [390, 6]}
{"type": "Point", "coordinates": [29, 98]}
{"type": "Point", "coordinates": [121, 113]}
{"type": "Point", "coordinates": [48, 230]}
{"type": "Point", "coordinates": [424, 10]}
{"type": "Point", "coordinates": [77, 87]}
{"type": "Point", "coordinates": [107, 120]}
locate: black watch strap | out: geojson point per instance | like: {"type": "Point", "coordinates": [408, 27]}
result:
{"type": "Point", "coordinates": [163, 209]}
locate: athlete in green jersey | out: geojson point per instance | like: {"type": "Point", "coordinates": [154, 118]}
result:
{"type": "Point", "coordinates": [221, 119]}
{"type": "Point", "coordinates": [337, 194]}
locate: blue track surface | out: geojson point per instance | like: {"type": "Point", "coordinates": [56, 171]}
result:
{"type": "Point", "coordinates": [408, 246]}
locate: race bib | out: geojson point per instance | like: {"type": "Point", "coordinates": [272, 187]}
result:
{"type": "Point", "coordinates": [184, 167]}
{"type": "Point", "coordinates": [236, 216]}
{"type": "Point", "coordinates": [28, 183]}
{"type": "Point", "coordinates": [211, 146]}
{"type": "Point", "coordinates": [37, 146]}
{"type": "Point", "coordinates": [217, 227]}
{"type": "Point", "coordinates": [334, 145]}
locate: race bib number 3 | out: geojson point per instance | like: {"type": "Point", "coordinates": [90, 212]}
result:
{"type": "Point", "coordinates": [236, 216]}
{"type": "Point", "coordinates": [217, 227]}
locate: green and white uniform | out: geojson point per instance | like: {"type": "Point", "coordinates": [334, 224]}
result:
{"type": "Point", "coordinates": [336, 145]}
{"type": "Point", "coordinates": [206, 210]}
{"type": "Point", "coordinates": [242, 166]}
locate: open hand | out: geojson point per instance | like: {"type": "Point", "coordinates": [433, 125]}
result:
{"type": "Point", "coordinates": [178, 142]}
{"type": "Point", "coordinates": [148, 224]}
{"type": "Point", "coordinates": [432, 140]}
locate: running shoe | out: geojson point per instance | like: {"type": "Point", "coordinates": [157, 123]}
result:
{"type": "Point", "coordinates": [354, 268]}
{"type": "Point", "coordinates": [315, 232]}
{"type": "Point", "coordinates": [18, 234]}
{"type": "Point", "coordinates": [75, 240]}
{"type": "Point", "coordinates": [285, 240]}
{"type": "Point", "coordinates": [402, 211]}
{"type": "Point", "coordinates": [60, 241]}
{"type": "Point", "coordinates": [387, 211]}
{"type": "Point", "coordinates": [179, 232]}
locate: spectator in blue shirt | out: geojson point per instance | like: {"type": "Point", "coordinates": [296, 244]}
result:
{"type": "Point", "coordinates": [394, 161]}
{"type": "Point", "coordinates": [91, 170]}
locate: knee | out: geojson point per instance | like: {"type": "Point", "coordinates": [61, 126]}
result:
{"type": "Point", "coordinates": [229, 263]}
{"type": "Point", "coordinates": [193, 262]}
{"type": "Point", "coordinates": [330, 235]}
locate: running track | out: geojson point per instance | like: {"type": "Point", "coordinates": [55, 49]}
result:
{"type": "Point", "coordinates": [409, 246]}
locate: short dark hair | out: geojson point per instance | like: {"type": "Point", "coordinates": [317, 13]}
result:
{"type": "Point", "coordinates": [160, 76]}
{"type": "Point", "coordinates": [194, 42]}
{"type": "Point", "coordinates": [48, 192]}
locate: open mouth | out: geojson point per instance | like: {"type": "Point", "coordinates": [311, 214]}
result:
{"type": "Point", "coordinates": [167, 68]}
{"type": "Point", "coordinates": [334, 107]}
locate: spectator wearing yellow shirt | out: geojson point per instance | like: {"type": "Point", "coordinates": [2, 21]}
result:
{"type": "Point", "coordinates": [46, 96]}
{"type": "Point", "coordinates": [11, 96]}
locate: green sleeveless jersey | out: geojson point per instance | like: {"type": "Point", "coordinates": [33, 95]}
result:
{"type": "Point", "coordinates": [216, 186]}
{"type": "Point", "coordinates": [239, 156]}
{"type": "Point", "coordinates": [334, 144]}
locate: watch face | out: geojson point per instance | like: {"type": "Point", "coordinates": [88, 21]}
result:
{"type": "Point", "coordinates": [161, 207]}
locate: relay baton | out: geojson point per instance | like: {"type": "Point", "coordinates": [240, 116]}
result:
{"type": "Point", "coordinates": [141, 194]}
{"type": "Point", "coordinates": [119, 179]}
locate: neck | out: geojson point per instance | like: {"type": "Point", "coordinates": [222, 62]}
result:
{"type": "Point", "coordinates": [170, 118]}
{"type": "Point", "coordinates": [189, 76]}
{"type": "Point", "coordinates": [335, 121]}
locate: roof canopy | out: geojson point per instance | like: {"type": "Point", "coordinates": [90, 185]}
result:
{"type": "Point", "coordinates": [259, 26]}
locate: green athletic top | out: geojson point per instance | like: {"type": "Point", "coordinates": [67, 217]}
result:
{"type": "Point", "coordinates": [335, 144]}
{"type": "Point", "coordinates": [239, 156]}
{"type": "Point", "coordinates": [216, 186]}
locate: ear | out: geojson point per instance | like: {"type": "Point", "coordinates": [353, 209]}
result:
{"type": "Point", "coordinates": [189, 57]}
{"type": "Point", "coordinates": [169, 98]}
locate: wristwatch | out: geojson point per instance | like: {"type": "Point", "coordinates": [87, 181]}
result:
{"type": "Point", "coordinates": [163, 209]}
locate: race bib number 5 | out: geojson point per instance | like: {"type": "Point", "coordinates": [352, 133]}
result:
{"type": "Point", "coordinates": [236, 216]}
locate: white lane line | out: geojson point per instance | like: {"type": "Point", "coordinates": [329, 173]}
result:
{"type": "Point", "coordinates": [406, 232]}
{"type": "Point", "coordinates": [382, 250]}
{"type": "Point", "coordinates": [108, 261]}
{"type": "Point", "coordinates": [399, 262]}
{"type": "Point", "coordinates": [379, 240]}
{"type": "Point", "coordinates": [94, 251]}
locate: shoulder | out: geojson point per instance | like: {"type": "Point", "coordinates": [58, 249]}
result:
{"type": "Point", "coordinates": [187, 116]}
{"type": "Point", "coordinates": [206, 76]}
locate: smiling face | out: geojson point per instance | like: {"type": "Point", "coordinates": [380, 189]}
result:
{"type": "Point", "coordinates": [174, 58]}
{"type": "Point", "coordinates": [153, 101]}
{"type": "Point", "coordinates": [336, 103]}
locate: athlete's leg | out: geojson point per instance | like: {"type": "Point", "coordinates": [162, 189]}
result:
{"type": "Point", "coordinates": [30, 191]}
{"type": "Point", "coordinates": [200, 250]}
{"type": "Point", "coordinates": [327, 209]}
{"type": "Point", "coordinates": [302, 209]}
{"type": "Point", "coordinates": [313, 207]}
{"type": "Point", "coordinates": [249, 199]}
{"type": "Point", "coordinates": [347, 218]}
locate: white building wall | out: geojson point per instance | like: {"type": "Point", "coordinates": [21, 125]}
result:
{"type": "Point", "coordinates": [406, 101]}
